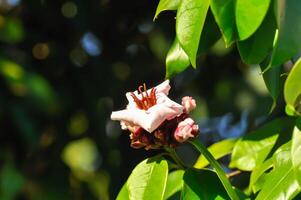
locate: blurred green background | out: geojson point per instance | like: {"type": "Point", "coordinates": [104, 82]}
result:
{"type": "Point", "coordinates": [65, 65]}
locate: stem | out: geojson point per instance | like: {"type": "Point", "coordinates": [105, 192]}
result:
{"type": "Point", "coordinates": [175, 157]}
{"type": "Point", "coordinates": [219, 170]}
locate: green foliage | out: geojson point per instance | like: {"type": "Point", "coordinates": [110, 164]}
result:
{"type": "Point", "coordinates": [281, 183]}
{"type": "Point", "coordinates": [218, 150]}
{"type": "Point", "coordinates": [166, 5]}
{"type": "Point", "coordinates": [202, 185]}
{"type": "Point", "coordinates": [174, 183]}
{"type": "Point", "coordinates": [296, 150]}
{"type": "Point", "coordinates": [147, 181]}
{"type": "Point", "coordinates": [288, 43]}
{"type": "Point", "coordinates": [177, 60]}
{"type": "Point", "coordinates": [253, 148]}
{"type": "Point", "coordinates": [191, 17]}
{"type": "Point", "coordinates": [292, 89]}
{"type": "Point", "coordinates": [249, 15]}
{"type": "Point", "coordinates": [254, 49]}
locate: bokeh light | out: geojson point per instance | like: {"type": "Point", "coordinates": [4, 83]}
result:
{"type": "Point", "coordinates": [69, 9]}
{"type": "Point", "coordinates": [40, 51]}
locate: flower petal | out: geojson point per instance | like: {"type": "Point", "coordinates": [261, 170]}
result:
{"type": "Point", "coordinates": [161, 88]}
{"type": "Point", "coordinates": [152, 118]}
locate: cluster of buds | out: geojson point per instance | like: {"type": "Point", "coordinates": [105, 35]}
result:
{"type": "Point", "coordinates": [154, 120]}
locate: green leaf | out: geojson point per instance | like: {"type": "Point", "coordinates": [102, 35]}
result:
{"type": "Point", "coordinates": [219, 170]}
{"type": "Point", "coordinates": [253, 148]}
{"type": "Point", "coordinates": [281, 182]}
{"type": "Point", "coordinates": [272, 81]}
{"type": "Point", "coordinates": [258, 173]}
{"type": "Point", "coordinates": [166, 5]}
{"type": "Point", "coordinates": [202, 185]}
{"type": "Point", "coordinates": [296, 150]}
{"type": "Point", "coordinates": [123, 193]}
{"type": "Point", "coordinates": [288, 44]}
{"type": "Point", "coordinates": [218, 150]}
{"type": "Point", "coordinates": [292, 89]}
{"type": "Point", "coordinates": [224, 14]}
{"type": "Point", "coordinates": [148, 179]}
{"type": "Point", "coordinates": [174, 183]}
{"type": "Point", "coordinates": [256, 48]}
{"type": "Point", "coordinates": [191, 16]}
{"type": "Point", "coordinates": [210, 34]}
{"type": "Point", "coordinates": [249, 15]}
{"type": "Point", "coordinates": [177, 60]}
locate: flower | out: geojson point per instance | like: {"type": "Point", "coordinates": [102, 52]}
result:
{"type": "Point", "coordinates": [152, 118]}
{"type": "Point", "coordinates": [188, 103]}
{"type": "Point", "coordinates": [186, 129]}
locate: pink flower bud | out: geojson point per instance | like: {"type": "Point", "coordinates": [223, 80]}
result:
{"type": "Point", "coordinates": [185, 130]}
{"type": "Point", "coordinates": [188, 103]}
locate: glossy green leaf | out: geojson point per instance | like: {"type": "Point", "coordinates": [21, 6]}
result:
{"type": "Point", "coordinates": [288, 44]}
{"type": "Point", "coordinates": [166, 5]}
{"type": "Point", "coordinates": [148, 179]}
{"type": "Point", "coordinates": [256, 48]}
{"type": "Point", "coordinates": [296, 150]}
{"type": "Point", "coordinates": [219, 170]}
{"type": "Point", "coordinates": [174, 183]}
{"type": "Point", "coordinates": [253, 148]}
{"type": "Point", "coordinates": [210, 34]}
{"type": "Point", "coordinates": [177, 60]}
{"type": "Point", "coordinates": [272, 79]}
{"type": "Point", "coordinates": [292, 88]}
{"type": "Point", "coordinates": [257, 174]}
{"type": "Point", "coordinates": [281, 182]}
{"type": "Point", "coordinates": [191, 16]}
{"type": "Point", "coordinates": [218, 150]}
{"type": "Point", "coordinates": [202, 185]}
{"type": "Point", "coordinates": [249, 15]}
{"type": "Point", "coordinates": [224, 14]}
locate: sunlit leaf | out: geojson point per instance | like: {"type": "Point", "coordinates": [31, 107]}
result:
{"type": "Point", "coordinates": [292, 89]}
{"type": "Point", "coordinates": [281, 182]}
{"type": "Point", "coordinates": [166, 5]}
{"type": "Point", "coordinates": [148, 179]}
{"type": "Point", "coordinates": [191, 16]}
{"type": "Point", "coordinates": [218, 150]}
{"type": "Point", "coordinates": [224, 14]}
{"type": "Point", "coordinates": [174, 183]}
{"type": "Point", "coordinates": [256, 48]}
{"type": "Point", "coordinates": [177, 60]}
{"type": "Point", "coordinates": [296, 150]}
{"type": "Point", "coordinates": [257, 173]}
{"type": "Point", "coordinates": [249, 15]}
{"type": "Point", "coordinates": [288, 44]}
{"type": "Point", "coordinates": [253, 148]}
{"type": "Point", "coordinates": [123, 193]}
{"type": "Point", "coordinates": [202, 185]}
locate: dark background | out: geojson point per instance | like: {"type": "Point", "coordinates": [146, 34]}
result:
{"type": "Point", "coordinates": [65, 65]}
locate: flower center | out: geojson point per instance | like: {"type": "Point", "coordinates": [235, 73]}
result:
{"type": "Point", "coordinates": [147, 99]}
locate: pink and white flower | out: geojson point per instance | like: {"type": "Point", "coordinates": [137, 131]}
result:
{"type": "Point", "coordinates": [185, 130]}
{"type": "Point", "coordinates": [149, 108]}
{"type": "Point", "coordinates": [189, 103]}
{"type": "Point", "coordinates": [154, 120]}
